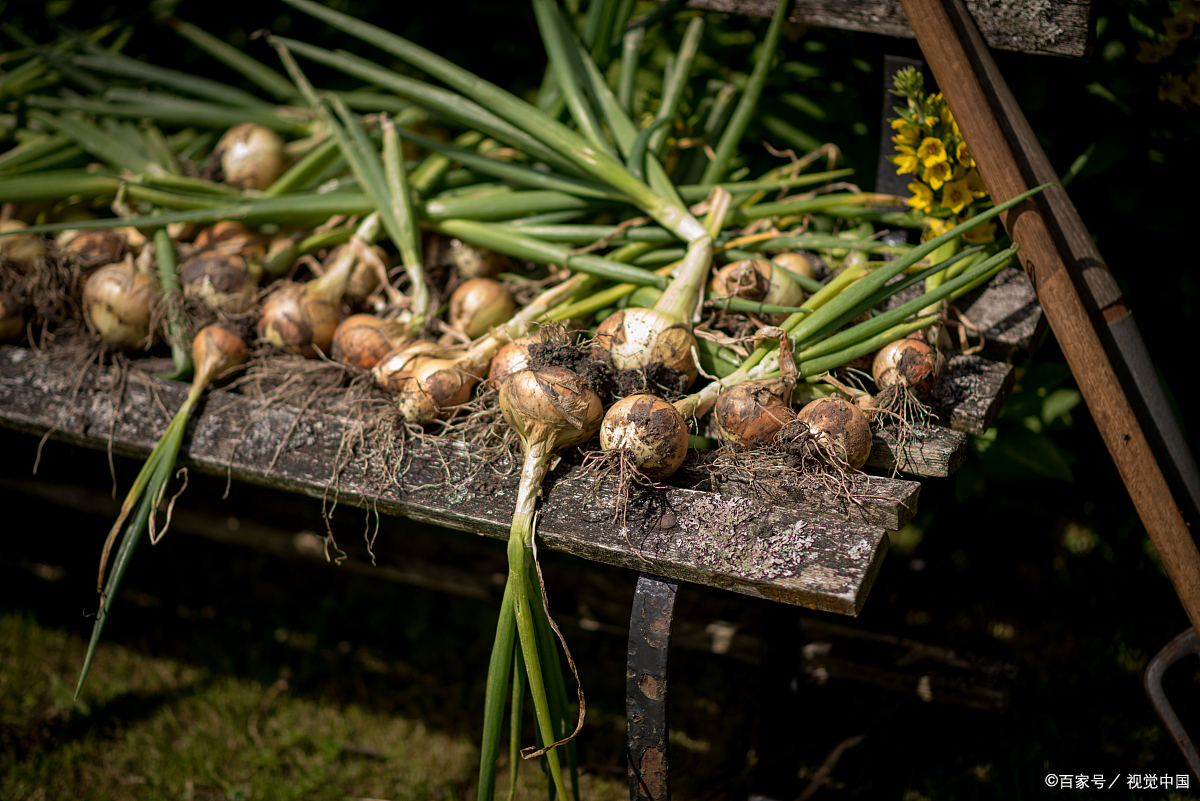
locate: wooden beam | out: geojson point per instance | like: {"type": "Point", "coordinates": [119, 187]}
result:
{"type": "Point", "coordinates": [1046, 27]}
{"type": "Point", "coordinates": [953, 48]}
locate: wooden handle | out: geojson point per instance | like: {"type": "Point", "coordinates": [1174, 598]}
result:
{"type": "Point", "coordinates": [948, 40]}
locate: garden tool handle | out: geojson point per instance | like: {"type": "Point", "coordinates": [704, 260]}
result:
{"type": "Point", "coordinates": [952, 47]}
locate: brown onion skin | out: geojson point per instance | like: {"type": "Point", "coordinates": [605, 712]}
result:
{"type": "Point", "coordinates": [749, 279]}
{"type": "Point", "coordinates": [220, 280]}
{"type": "Point", "coordinates": [395, 367]}
{"type": "Point", "coordinates": [552, 407]}
{"type": "Point", "coordinates": [478, 305]}
{"type": "Point", "coordinates": [841, 426]}
{"type": "Point", "coordinates": [638, 337]}
{"type": "Point", "coordinates": [474, 262]}
{"type": "Point", "coordinates": [119, 302]}
{"type": "Point", "coordinates": [511, 358]}
{"type": "Point", "coordinates": [91, 249]}
{"type": "Point", "coordinates": [216, 349]}
{"type": "Point", "coordinates": [20, 251]}
{"type": "Point", "coordinates": [911, 363]}
{"type": "Point", "coordinates": [649, 428]}
{"type": "Point", "coordinates": [12, 317]}
{"type": "Point", "coordinates": [296, 323]}
{"type": "Point", "coordinates": [436, 388]}
{"type": "Point", "coordinates": [361, 340]}
{"type": "Point", "coordinates": [752, 413]}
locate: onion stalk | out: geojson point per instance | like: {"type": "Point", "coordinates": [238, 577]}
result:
{"type": "Point", "coordinates": [549, 409]}
{"type": "Point", "coordinates": [215, 351]}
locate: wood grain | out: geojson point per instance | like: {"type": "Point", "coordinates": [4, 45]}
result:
{"type": "Point", "coordinates": [948, 39]}
{"type": "Point", "coordinates": [1048, 27]}
{"type": "Point", "coordinates": [787, 555]}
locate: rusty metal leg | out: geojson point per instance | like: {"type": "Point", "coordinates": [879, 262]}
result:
{"type": "Point", "coordinates": [646, 687]}
{"type": "Point", "coordinates": [1186, 643]}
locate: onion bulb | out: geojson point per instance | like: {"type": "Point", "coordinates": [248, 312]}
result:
{"type": "Point", "coordinates": [300, 321]}
{"type": "Point", "coordinates": [435, 387]}
{"type": "Point", "coordinates": [220, 280]}
{"type": "Point", "coordinates": [251, 156]}
{"type": "Point", "coordinates": [216, 350]}
{"type": "Point", "coordinates": [12, 316]}
{"type": "Point", "coordinates": [752, 413]}
{"type": "Point", "coordinates": [840, 427]}
{"type": "Point", "coordinates": [478, 305]}
{"type": "Point", "coordinates": [511, 358]}
{"type": "Point", "coordinates": [650, 430]}
{"type": "Point", "coordinates": [119, 303]}
{"type": "Point", "coordinates": [797, 263]}
{"type": "Point", "coordinates": [636, 338]}
{"type": "Point", "coordinates": [21, 251]}
{"type": "Point", "coordinates": [361, 340]}
{"type": "Point", "coordinates": [301, 318]}
{"type": "Point", "coordinates": [90, 249]}
{"type": "Point", "coordinates": [550, 408]}
{"type": "Point", "coordinates": [909, 363]}
{"type": "Point", "coordinates": [758, 280]}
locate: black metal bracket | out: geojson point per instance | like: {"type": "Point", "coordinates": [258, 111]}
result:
{"type": "Point", "coordinates": [1184, 644]}
{"type": "Point", "coordinates": [646, 687]}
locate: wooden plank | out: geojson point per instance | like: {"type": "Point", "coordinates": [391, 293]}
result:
{"type": "Point", "coordinates": [925, 450]}
{"type": "Point", "coordinates": [1046, 27]}
{"type": "Point", "coordinates": [971, 392]}
{"type": "Point", "coordinates": [1006, 312]}
{"type": "Point", "coordinates": [739, 544]}
{"type": "Point", "coordinates": [875, 500]}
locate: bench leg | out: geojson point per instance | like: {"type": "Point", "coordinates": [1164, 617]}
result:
{"type": "Point", "coordinates": [646, 687]}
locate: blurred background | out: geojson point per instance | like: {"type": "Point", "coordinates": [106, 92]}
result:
{"type": "Point", "coordinates": [236, 674]}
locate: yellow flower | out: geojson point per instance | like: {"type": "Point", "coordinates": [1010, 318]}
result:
{"type": "Point", "coordinates": [907, 136]}
{"type": "Point", "coordinates": [899, 123]}
{"type": "Point", "coordinates": [1154, 52]}
{"type": "Point", "coordinates": [981, 234]}
{"type": "Point", "coordinates": [906, 160]}
{"type": "Point", "coordinates": [935, 226]}
{"type": "Point", "coordinates": [955, 195]}
{"type": "Point", "coordinates": [1177, 27]}
{"type": "Point", "coordinates": [936, 174]}
{"type": "Point", "coordinates": [931, 151]}
{"type": "Point", "coordinates": [963, 156]}
{"type": "Point", "coordinates": [922, 196]}
{"type": "Point", "coordinates": [931, 121]}
{"type": "Point", "coordinates": [947, 115]}
{"type": "Point", "coordinates": [1173, 89]}
{"type": "Point", "coordinates": [975, 183]}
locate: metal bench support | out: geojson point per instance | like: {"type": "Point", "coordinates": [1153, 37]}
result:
{"type": "Point", "coordinates": [646, 687]}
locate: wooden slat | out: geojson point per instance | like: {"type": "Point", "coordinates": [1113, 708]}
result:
{"type": "Point", "coordinates": [875, 500]}
{"type": "Point", "coordinates": [971, 392]}
{"type": "Point", "coordinates": [1006, 313]}
{"type": "Point", "coordinates": [1047, 27]}
{"type": "Point", "coordinates": [925, 450]}
{"type": "Point", "coordinates": [738, 544]}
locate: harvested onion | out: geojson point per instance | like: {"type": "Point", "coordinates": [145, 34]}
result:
{"type": "Point", "coordinates": [361, 340]}
{"type": "Point", "coordinates": [650, 430]}
{"type": "Point", "coordinates": [251, 156]}
{"type": "Point", "coordinates": [840, 427]}
{"type": "Point", "coordinates": [22, 251]}
{"type": "Point", "coordinates": [119, 303]}
{"type": "Point", "coordinates": [909, 363]}
{"type": "Point", "coordinates": [478, 305]}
